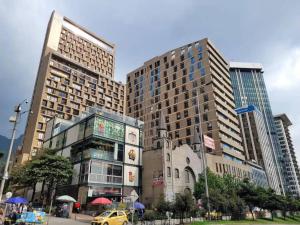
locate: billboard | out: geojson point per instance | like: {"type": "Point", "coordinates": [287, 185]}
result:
{"type": "Point", "coordinates": [131, 176]}
{"type": "Point", "coordinates": [132, 155]}
{"type": "Point", "coordinates": [209, 142]}
{"type": "Point", "coordinates": [132, 135]}
{"type": "Point", "coordinates": [108, 129]}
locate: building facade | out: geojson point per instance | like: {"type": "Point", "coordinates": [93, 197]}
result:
{"type": "Point", "coordinates": [256, 143]}
{"type": "Point", "coordinates": [76, 71]}
{"type": "Point", "coordinates": [183, 83]}
{"type": "Point", "coordinates": [168, 171]}
{"type": "Point", "coordinates": [249, 89]}
{"type": "Point", "coordinates": [105, 150]}
{"type": "Point", "coordinates": [291, 172]}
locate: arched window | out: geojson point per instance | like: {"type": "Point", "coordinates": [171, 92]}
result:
{"type": "Point", "coordinates": [158, 144]}
{"type": "Point", "coordinates": [168, 157]}
{"type": "Point", "coordinates": [176, 173]}
{"type": "Point", "coordinates": [187, 176]}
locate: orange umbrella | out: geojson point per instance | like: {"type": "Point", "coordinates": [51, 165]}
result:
{"type": "Point", "coordinates": [101, 201]}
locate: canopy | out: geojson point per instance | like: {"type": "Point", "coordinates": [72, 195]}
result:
{"type": "Point", "coordinates": [138, 205]}
{"type": "Point", "coordinates": [16, 200]}
{"type": "Point", "coordinates": [65, 198]}
{"type": "Point", "coordinates": [101, 201]}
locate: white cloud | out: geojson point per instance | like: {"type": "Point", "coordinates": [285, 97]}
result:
{"type": "Point", "coordinates": [282, 77]}
{"type": "Point", "coordinates": [284, 73]}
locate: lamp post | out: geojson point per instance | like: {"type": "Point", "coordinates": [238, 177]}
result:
{"type": "Point", "coordinates": [14, 120]}
{"type": "Point", "coordinates": [204, 159]}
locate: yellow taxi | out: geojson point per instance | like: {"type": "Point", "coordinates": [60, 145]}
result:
{"type": "Point", "coordinates": [111, 217]}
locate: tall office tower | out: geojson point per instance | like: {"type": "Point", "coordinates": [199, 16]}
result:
{"type": "Point", "coordinates": [179, 83]}
{"type": "Point", "coordinates": [256, 143]}
{"type": "Point", "coordinates": [249, 89]}
{"type": "Point", "coordinates": [76, 71]}
{"type": "Point", "coordinates": [291, 174]}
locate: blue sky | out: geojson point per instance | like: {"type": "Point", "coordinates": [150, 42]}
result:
{"type": "Point", "coordinates": [267, 32]}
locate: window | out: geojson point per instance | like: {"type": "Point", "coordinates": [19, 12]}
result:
{"type": "Point", "coordinates": [169, 171]}
{"type": "Point", "coordinates": [177, 125]}
{"type": "Point", "coordinates": [168, 157]}
{"type": "Point", "coordinates": [40, 126]}
{"type": "Point", "coordinates": [176, 173]}
{"type": "Point", "coordinates": [178, 116]}
{"type": "Point", "coordinates": [186, 95]}
{"type": "Point", "coordinates": [205, 98]}
{"type": "Point", "coordinates": [41, 136]}
{"type": "Point", "coordinates": [187, 176]}
{"type": "Point", "coordinates": [50, 90]}
{"type": "Point", "coordinates": [186, 113]}
{"type": "Point", "coordinates": [175, 108]}
{"type": "Point", "coordinates": [200, 56]}
{"type": "Point", "coordinates": [188, 131]}
{"type": "Point", "coordinates": [181, 65]}
{"type": "Point", "coordinates": [44, 103]}
{"type": "Point", "coordinates": [189, 122]}
{"type": "Point", "coordinates": [205, 117]}
{"type": "Point", "coordinates": [175, 100]}
{"type": "Point", "coordinates": [192, 60]}
{"type": "Point", "coordinates": [186, 104]}
{"type": "Point", "coordinates": [202, 71]}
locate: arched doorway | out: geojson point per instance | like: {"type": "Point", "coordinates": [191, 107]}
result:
{"type": "Point", "coordinates": [190, 179]}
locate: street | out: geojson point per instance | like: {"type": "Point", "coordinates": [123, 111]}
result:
{"type": "Point", "coordinates": [80, 220]}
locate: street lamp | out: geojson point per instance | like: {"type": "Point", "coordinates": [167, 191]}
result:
{"type": "Point", "coordinates": [202, 153]}
{"type": "Point", "coordinates": [14, 120]}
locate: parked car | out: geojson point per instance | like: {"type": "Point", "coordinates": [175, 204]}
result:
{"type": "Point", "coordinates": [111, 217]}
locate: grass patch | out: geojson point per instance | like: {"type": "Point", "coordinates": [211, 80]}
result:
{"type": "Point", "coordinates": [288, 220]}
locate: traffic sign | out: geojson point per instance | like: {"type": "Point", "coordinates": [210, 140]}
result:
{"type": "Point", "coordinates": [134, 196]}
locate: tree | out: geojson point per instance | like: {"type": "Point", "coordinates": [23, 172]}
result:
{"type": "Point", "coordinates": [55, 169]}
{"type": "Point", "coordinates": [249, 193]}
{"type": "Point", "coordinates": [222, 194]}
{"type": "Point", "coordinates": [163, 206]}
{"type": "Point", "coordinates": [27, 176]}
{"type": "Point", "coordinates": [183, 203]}
{"type": "Point", "coordinates": [49, 168]}
{"type": "Point", "coordinates": [270, 201]}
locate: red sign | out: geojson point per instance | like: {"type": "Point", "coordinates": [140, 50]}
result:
{"type": "Point", "coordinates": [157, 181]}
{"type": "Point", "coordinates": [209, 142]}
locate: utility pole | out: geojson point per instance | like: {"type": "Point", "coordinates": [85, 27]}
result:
{"type": "Point", "coordinates": [14, 120]}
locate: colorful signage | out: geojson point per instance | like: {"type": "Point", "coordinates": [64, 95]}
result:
{"type": "Point", "coordinates": [132, 135]}
{"type": "Point", "coordinates": [158, 178]}
{"type": "Point", "coordinates": [131, 176]}
{"type": "Point", "coordinates": [108, 129]}
{"type": "Point", "coordinates": [132, 155]}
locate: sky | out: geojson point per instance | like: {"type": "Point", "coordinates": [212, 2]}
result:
{"type": "Point", "coordinates": [266, 32]}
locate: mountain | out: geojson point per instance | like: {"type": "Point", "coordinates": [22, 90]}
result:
{"type": "Point", "coordinates": [5, 142]}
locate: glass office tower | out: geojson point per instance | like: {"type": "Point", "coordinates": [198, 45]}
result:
{"type": "Point", "coordinates": [249, 88]}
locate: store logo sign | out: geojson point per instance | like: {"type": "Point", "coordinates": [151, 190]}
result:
{"type": "Point", "coordinates": [131, 154]}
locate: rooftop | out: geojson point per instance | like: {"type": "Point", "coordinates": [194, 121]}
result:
{"type": "Point", "coordinates": [284, 119]}
{"type": "Point", "coordinates": [245, 65]}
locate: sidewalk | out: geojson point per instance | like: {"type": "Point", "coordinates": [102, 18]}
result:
{"type": "Point", "coordinates": [82, 218]}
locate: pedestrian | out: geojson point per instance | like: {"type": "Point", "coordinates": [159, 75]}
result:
{"type": "Point", "coordinates": [77, 206]}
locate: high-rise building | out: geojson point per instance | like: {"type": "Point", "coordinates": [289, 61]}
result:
{"type": "Point", "coordinates": [76, 71]}
{"type": "Point", "coordinates": [291, 169]}
{"type": "Point", "coordinates": [256, 143]}
{"type": "Point", "coordinates": [179, 83]}
{"type": "Point", "coordinates": [249, 89]}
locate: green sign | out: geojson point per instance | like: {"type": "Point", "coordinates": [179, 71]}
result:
{"type": "Point", "coordinates": [109, 129]}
